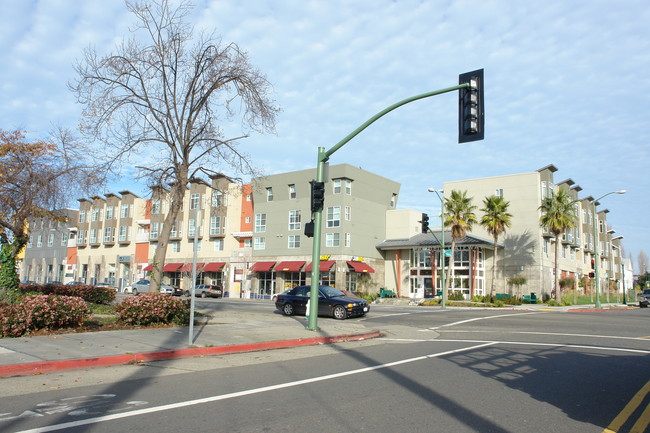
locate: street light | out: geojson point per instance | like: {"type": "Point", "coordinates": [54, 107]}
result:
{"type": "Point", "coordinates": [596, 258]}
{"type": "Point", "coordinates": [442, 246]}
{"type": "Point", "coordinates": [618, 238]}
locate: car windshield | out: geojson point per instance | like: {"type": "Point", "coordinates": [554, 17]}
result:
{"type": "Point", "coordinates": [331, 292]}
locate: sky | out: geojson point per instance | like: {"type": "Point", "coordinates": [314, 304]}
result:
{"type": "Point", "coordinates": [566, 83]}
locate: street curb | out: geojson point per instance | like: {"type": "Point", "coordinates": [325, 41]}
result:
{"type": "Point", "coordinates": [41, 367]}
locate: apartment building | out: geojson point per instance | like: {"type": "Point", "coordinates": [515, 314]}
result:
{"type": "Point", "coordinates": [354, 222]}
{"type": "Point", "coordinates": [45, 256]}
{"type": "Point", "coordinates": [528, 250]}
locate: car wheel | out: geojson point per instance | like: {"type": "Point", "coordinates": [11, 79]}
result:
{"type": "Point", "coordinates": [204, 295]}
{"type": "Point", "coordinates": [135, 292]}
{"type": "Point", "coordinates": [643, 306]}
{"type": "Point", "coordinates": [287, 309]}
{"type": "Point", "coordinates": [339, 312]}
{"type": "Point", "coordinates": [187, 293]}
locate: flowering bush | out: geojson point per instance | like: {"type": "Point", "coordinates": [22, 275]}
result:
{"type": "Point", "coordinates": [94, 294]}
{"type": "Point", "coordinates": [42, 312]}
{"type": "Point", "coordinates": [153, 308]}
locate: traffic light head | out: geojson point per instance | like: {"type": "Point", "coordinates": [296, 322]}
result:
{"type": "Point", "coordinates": [425, 223]}
{"type": "Point", "coordinates": [471, 117]}
{"type": "Point", "coordinates": [317, 195]}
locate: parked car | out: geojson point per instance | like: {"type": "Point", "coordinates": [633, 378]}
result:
{"type": "Point", "coordinates": [644, 298]}
{"type": "Point", "coordinates": [331, 302]}
{"type": "Point", "coordinates": [142, 286]}
{"type": "Point", "coordinates": [206, 291]}
{"type": "Point", "coordinates": [105, 285]}
{"type": "Point", "coordinates": [275, 296]}
{"type": "Point", "coordinates": [73, 283]}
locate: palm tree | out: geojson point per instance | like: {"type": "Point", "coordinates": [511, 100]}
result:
{"type": "Point", "coordinates": [558, 214]}
{"type": "Point", "coordinates": [459, 215]}
{"type": "Point", "coordinates": [495, 220]}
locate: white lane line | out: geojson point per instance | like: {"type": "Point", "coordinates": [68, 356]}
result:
{"type": "Point", "coordinates": [521, 343]}
{"type": "Point", "coordinates": [475, 319]}
{"type": "Point", "coordinates": [560, 334]}
{"type": "Point", "coordinates": [245, 393]}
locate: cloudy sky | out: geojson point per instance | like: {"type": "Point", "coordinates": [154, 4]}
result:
{"type": "Point", "coordinates": [566, 84]}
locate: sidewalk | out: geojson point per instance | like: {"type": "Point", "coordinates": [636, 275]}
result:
{"type": "Point", "coordinates": [230, 332]}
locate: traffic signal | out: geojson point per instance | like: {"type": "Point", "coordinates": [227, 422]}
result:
{"type": "Point", "coordinates": [309, 229]}
{"type": "Point", "coordinates": [593, 264]}
{"type": "Point", "coordinates": [425, 223]}
{"type": "Point", "coordinates": [317, 195]}
{"type": "Point", "coordinates": [592, 274]}
{"type": "Point", "coordinates": [471, 116]}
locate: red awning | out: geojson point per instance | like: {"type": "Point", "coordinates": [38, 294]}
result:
{"type": "Point", "coordinates": [262, 266]}
{"type": "Point", "coordinates": [172, 267]}
{"type": "Point", "coordinates": [360, 267]}
{"type": "Point", "coordinates": [187, 267]}
{"type": "Point", "coordinates": [325, 265]}
{"type": "Point", "coordinates": [289, 266]}
{"type": "Point", "coordinates": [213, 267]}
{"type": "Point", "coordinates": [148, 268]}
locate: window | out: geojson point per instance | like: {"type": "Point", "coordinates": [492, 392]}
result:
{"type": "Point", "coordinates": [109, 212]}
{"type": "Point", "coordinates": [294, 220]}
{"type": "Point", "coordinates": [249, 197]}
{"type": "Point", "coordinates": [499, 192]}
{"type": "Point", "coordinates": [82, 216]}
{"type": "Point", "coordinates": [348, 213]}
{"type": "Point", "coordinates": [601, 226]}
{"type": "Point", "coordinates": [64, 239]}
{"type": "Point", "coordinates": [269, 194]}
{"type": "Point", "coordinates": [218, 244]}
{"type": "Point", "coordinates": [332, 239]}
{"type": "Point", "coordinates": [176, 246]}
{"type": "Point", "coordinates": [94, 214]}
{"type": "Point", "coordinates": [30, 243]}
{"type": "Point", "coordinates": [155, 206]}
{"type": "Point", "coordinates": [153, 234]}
{"type": "Point", "coordinates": [50, 240]}
{"type": "Point", "coordinates": [336, 185]}
{"type": "Point", "coordinates": [334, 216]}
{"type": "Point", "coordinates": [215, 225]}
{"type": "Point", "coordinates": [348, 186]}
{"type": "Point", "coordinates": [584, 216]}
{"type": "Point", "coordinates": [294, 241]}
{"type": "Point", "coordinates": [191, 228]}
{"type": "Point", "coordinates": [81, 239]}
{"type": "Point", "coordinates": [260, 222]}
{"type": "Point", "coordinates": [347, 240]}
{"type": "Point", "coordinates": [393, 201]}
{"type": "Point", "coordinates": [194, 201]}
{"type": "Point", "coordinates": [292, 192]}
{"type": "Point", "coordinates": [248, 220]}
{"type": "Point", "coordinates": [248, 243]}
{"type": "Point", "coordinates": [260, 244]}
{"type": "Point", "coordinates": [93, 236]}
{"type": "Point", "coordinates": [174, 231]}
{"type": "Point", "coordinates": [108, 234]}
{"type": "Point", "coordinates": [123, 233]}
{"type": "Point", "coordinates": [217, 198]}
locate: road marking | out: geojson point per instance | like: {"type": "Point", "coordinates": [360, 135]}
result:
{"type": "Point", "coordinates": [642, 423]}
{"type": "Point", "coordinates": [475, 319]}
{"type": "Point", "coordinates": [559, 334]}
{"type": "Point", "coordinates": [247, 392]}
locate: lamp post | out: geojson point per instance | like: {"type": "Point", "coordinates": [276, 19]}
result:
{"type": "Point", "coordinates": [596, 240]}
{"type": "Point", "coordinates": [618, 238]}
{"type": "Point", "coordinates": [442, 246]}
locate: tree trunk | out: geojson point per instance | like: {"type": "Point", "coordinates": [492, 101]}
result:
{"type": "Point", "coordinates": [494, 267]}
{"type": "Point", "coordinates": [556, 287]}
{"type": "Point", "coordinates": [451, 264]}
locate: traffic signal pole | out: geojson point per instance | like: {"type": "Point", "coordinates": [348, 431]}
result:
{"type": "Point", "coordinates": [323, 157]}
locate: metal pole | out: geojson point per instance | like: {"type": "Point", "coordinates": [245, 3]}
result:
{"type": "Point", "coordinates": [323, 157]}
{"type": "Point", "coordinates": [193, 284]}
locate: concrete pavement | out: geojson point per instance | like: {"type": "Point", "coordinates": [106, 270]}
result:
{"type": "Point", "coordinates": [229, 332]}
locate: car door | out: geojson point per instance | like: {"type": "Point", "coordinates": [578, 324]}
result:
{"type": "Point", "coordinates": [299, 299]}
{"type": "Point", "coordinates": [325, 304]}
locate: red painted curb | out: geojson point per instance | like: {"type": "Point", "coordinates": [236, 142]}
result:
{"type": "Point", "coordinates": [41, 367]}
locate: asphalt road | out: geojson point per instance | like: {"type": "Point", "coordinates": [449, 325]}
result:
{"type": "Point", "coordinates": [436, 371]}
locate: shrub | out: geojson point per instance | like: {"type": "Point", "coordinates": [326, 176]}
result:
{"type": "Point", "coordinates": [42, 312]}
{"type": "Point", "coordinates": [94, 294]}
{"type": "Point", "coordinates": [153, 308]}
{"type": "Point", "coordinates": [456, 296]}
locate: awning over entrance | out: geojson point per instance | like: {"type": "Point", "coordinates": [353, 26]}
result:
{"type": "Point", "coordinates": [172, 267]}
{"type": "Point", "coordinates": [213, 267]}
{"type": "Point", "coordinates": [262, 266]}
{"type": "Point", "coordinates": [325, 265]}
{"type": "Point", "coordinates": [187, 267]}
{"type": "Point", "coordinates": [360, 266]}
{"type": "Point", "coordinates": [148, 268]}
{"type": "Point", "coordinates": [289, 266]}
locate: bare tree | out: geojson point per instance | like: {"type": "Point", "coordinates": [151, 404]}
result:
{"type": "Point", "coordinates": [642, 261]}
{"type": "Point", "coordinates": [37, 179]}
{"type": "Point", "coordinates": [163, 100]}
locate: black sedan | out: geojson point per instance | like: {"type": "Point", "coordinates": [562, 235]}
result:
{"type": "Point", "coordinates": [331, 302]}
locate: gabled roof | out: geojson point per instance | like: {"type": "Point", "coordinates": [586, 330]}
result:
{"type": "Point", "coordinates": [429, 240]}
